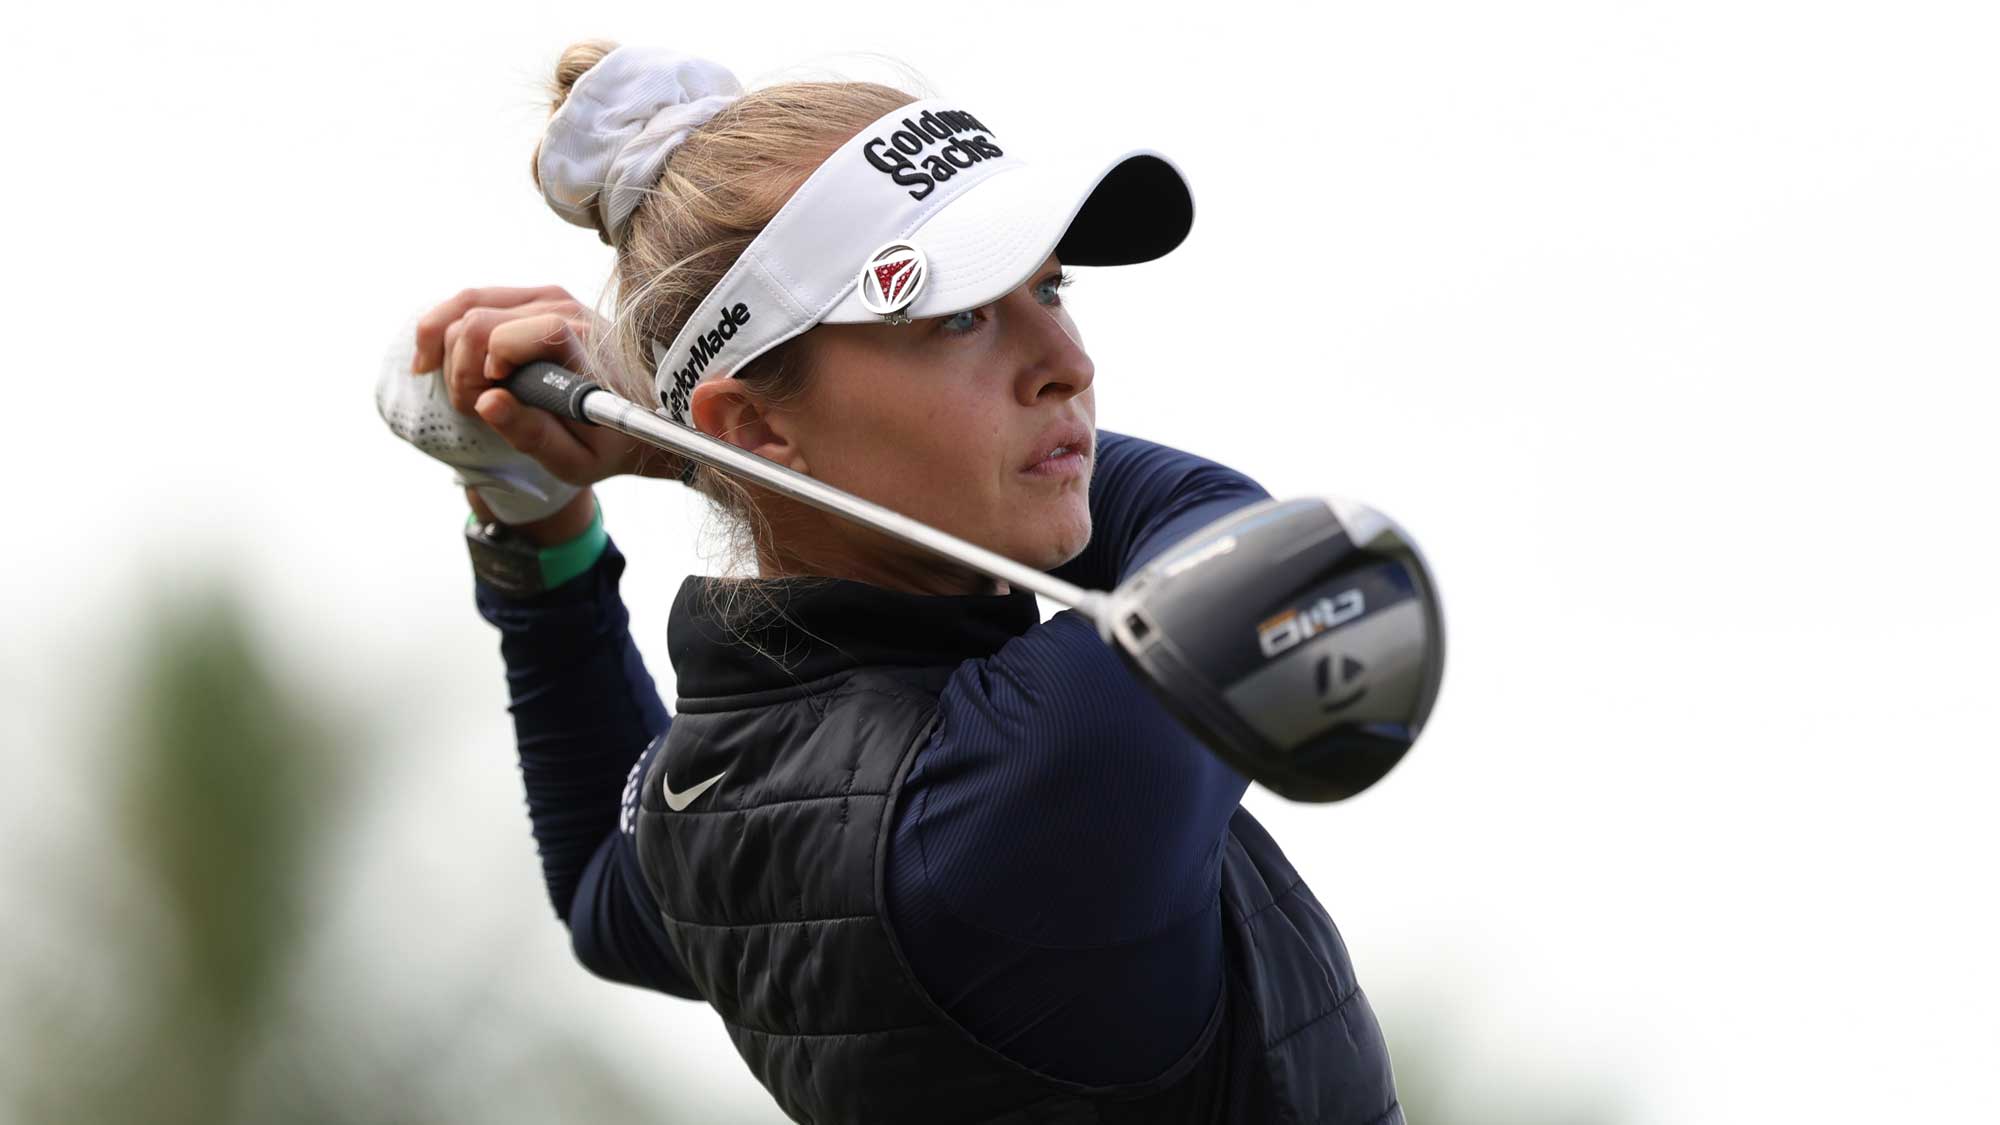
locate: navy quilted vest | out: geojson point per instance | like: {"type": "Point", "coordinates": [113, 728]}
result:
{"type": "Point", "coordinates": [770, 888]}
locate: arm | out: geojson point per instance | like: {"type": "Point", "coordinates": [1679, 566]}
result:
{"type": "Point", "coordinates": [584, 706]}
{"type": "Point", "coordinates": [584, 709]}
{"type": "Point", "coordinates": [1061, 824]}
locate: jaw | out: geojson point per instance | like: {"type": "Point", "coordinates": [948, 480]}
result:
{"type": "Point", "coordinates": [1051, 526]}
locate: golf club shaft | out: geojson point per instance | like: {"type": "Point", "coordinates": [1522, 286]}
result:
{"type": "Point", "coordinates": [564, 392]}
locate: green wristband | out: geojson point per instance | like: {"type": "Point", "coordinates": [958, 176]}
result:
{"type": "Point", "coordinates": [563, 561]}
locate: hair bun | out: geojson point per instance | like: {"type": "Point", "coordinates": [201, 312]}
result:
{"type": "Point", "coordinates": [624, 109]}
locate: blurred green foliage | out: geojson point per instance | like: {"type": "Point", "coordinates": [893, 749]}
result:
{"type": "Point", "coordinates": [173, 987]}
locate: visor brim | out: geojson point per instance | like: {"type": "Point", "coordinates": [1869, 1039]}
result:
{"type": "Point", "coordinates": [1133, 208]}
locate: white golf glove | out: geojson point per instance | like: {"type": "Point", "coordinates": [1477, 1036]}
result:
{"type": "Point", "coordinates": [418, 410]}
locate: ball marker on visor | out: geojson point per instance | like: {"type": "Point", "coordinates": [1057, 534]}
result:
{"type": "Point", "coordinates": [891, 279]}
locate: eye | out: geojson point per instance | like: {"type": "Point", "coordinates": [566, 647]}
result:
{"type": "Point", "coordinates": [1048, 289]}
{"type": "Point", "coordinates": [969, 321]}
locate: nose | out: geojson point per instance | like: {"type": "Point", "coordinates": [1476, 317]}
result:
{"type": "Point", "coordinates": [1052, 360]}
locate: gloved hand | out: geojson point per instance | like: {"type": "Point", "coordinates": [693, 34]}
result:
{"type": "Point", "coordinates": [418, 409]}
{"type": "Point", "coordinates": [524, 463]}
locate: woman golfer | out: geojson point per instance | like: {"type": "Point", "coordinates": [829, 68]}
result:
{"type": "Point", "coordinates": [930, 858]}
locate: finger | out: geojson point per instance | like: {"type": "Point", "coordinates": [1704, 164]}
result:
{"type": "Point", "coordinates": [465, 356]}
{"type": "Point", "coordinates": [466, 343]}
{"type": "Point", "coordinates": [523, 340]}
{"type": "Point", "coordinates": [540, 435]}
{"type": "Point", "coordinates": [431, 326]}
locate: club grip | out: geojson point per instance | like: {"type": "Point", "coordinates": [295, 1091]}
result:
{"type": "Point", "coordinates": [554, 388]}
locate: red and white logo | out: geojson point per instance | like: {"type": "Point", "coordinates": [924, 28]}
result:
{"type": "Point", "coordinates": [891, 278]}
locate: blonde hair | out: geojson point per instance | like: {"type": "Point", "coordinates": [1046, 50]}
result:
{"type": "Point", "coordinates": [716, 191]}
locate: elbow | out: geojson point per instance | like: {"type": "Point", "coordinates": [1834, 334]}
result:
{"type": "Point", "coordinates": [591, 941]}
{"type": "Point", "coordinates": [599, 957]}
{"type": "Point", "coordinates": [589, 952]}
{"type": "Point", "coordinates": [637, 959]}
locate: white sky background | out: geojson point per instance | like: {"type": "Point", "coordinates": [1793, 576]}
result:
{"type": "Point", "coordinates": [1669, 329]}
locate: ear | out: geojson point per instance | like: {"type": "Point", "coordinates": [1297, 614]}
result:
{"type": "Point", "coordinates": [725, 408]}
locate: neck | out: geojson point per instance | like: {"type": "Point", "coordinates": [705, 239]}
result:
{"type": "Point", "coordinates": [883, 562]}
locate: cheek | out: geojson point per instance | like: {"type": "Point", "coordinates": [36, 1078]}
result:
{"type": "Point", "coordinates": [919, 451]}
{"type": "Point", "coordinates": [961, 478]}
{"type": "Point", "coordinates": [966, 444]}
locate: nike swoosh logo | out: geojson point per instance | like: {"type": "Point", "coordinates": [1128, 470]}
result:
{"type": "Point", "coordinates": [679, 801]}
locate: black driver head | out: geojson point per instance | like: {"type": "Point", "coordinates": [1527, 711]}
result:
{"type": "Point", "coordinates": [1300, 639]}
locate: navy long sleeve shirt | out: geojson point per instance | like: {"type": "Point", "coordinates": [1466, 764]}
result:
{"type": "Point", "coordinates": [1053, 769]}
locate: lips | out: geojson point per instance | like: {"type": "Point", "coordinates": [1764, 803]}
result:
{"type": "Point", "coordinates": [1067, 432]}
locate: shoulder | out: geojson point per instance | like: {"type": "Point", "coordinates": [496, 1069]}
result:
{"type": "Point", "coordinates": [1054, 684]}
{"type": "Point", "coordinates": [1057, 802]}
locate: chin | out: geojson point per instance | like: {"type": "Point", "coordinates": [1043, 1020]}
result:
{"type": "Point", "coordinates": [1065, 536]}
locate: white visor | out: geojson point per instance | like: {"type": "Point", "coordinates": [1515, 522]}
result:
{"type": "Point", "coordinates": [924, 213]}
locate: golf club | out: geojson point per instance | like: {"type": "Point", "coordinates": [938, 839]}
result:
{"type": "Point", "coordinates": [1301, 640]}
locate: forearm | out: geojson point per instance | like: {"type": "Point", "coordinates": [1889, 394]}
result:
{"type": "Point", "coordinates": [584, 709]}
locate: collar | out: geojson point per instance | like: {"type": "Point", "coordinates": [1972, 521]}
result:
{"type": "Point", "coordinates": [789, 631]}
